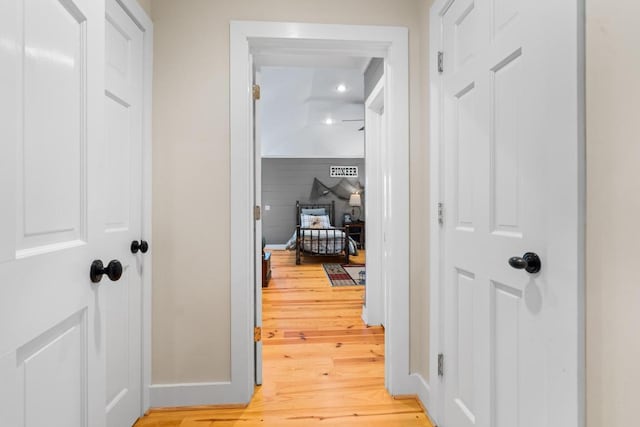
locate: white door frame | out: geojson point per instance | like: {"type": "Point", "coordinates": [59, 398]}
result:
{"type": "Point", "coordinates": [390, 43]}
{"type": "Point", "coordinates": [436, 152]}
{"type": "Point", "coordinates": [374, 308]}
{"type": "Point", "coordinates": [142, 20]}
{"type": "Point", "coordinates": [436, 298]}
{"type": "Point", "coordinates": [258, 251]}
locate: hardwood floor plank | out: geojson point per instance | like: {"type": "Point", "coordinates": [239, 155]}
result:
{"type": "Point", "coordinates": [322, 366]}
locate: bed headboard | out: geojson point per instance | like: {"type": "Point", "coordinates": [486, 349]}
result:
{"type": "Point", "coordinates": [329, 207]}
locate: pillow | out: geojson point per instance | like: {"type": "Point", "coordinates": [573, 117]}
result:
{"type": "Point", "coordinates": [315, 221]}
{"type": "Point", "coordinates": [313, 211]}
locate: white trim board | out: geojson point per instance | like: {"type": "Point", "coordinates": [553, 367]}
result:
{"type": "Point", "coordinates": [373, 311]}
{"type": "Point", "coordinates": [423, 393]}
{"type": "Point", "coordinates": [142, 20]}
{"type": "Point", "coordinates": [392, 42]}
{"type": "Point", "coordinates": [192, 394]}
{"type": "Point", "coordinates": [436, 333]}
{"type": "Point", "coordinates": [276, 247]}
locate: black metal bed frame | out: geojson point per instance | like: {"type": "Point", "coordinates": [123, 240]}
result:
{"type": "Point", "coordinates": [330, 208]}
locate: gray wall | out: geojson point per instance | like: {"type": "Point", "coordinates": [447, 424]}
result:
{"type": "Point", "coordinates": [286, 180]}
{"type": "Point", "coordinates": [372, 75]}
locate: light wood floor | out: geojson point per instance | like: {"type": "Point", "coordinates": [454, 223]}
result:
{"type": "Point", "coordinates": [322, 365]}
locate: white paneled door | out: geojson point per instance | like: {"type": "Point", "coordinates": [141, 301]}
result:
{"type": "Point", "coordinates": [122, 224]}
{"type": "Point", "coordinates": [52, 343]}
{"type": "Point", "coordinates": [70, 194]}
{"type": "Point", "coordinates": [511, 145]}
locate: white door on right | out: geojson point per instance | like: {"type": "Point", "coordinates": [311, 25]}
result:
{"type": "Point", "coordinates": [511, 147]}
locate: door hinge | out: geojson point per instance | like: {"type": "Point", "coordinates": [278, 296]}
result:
{"type": "Point", "coordinates": [257, 334]}
{"type": "Point", "coordinates": [256, 92]}
{"type": "Point", "coordinates": [256, 213]}
{"type": "Point", "coordinates": [440, 62]}
{"type": "Point", "coordinates": [441, 213]}
{"type": "Point", "coordinates": [441, 365]}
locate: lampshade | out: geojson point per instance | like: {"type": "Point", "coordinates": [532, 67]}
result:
{"type": "Point", "coordinates": [355, 200]}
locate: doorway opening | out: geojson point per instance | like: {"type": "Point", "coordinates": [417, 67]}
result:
{"type": "Point", "coordinates": [309, 128]}
{"type": "Point", "coordinates": [249, 39]}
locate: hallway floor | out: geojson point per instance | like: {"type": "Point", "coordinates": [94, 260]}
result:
{"type": "Point", "coordinates": [322, 365]}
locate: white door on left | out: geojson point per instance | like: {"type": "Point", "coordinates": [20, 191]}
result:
{"type": "Point", "coordinates": [51, 176]}
{"type": "Point", "coordinates": [121, 222]}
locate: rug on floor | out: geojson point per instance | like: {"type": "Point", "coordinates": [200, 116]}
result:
{"type": "Point", "coordinates": [357, 273]}
{"type": "Point", "coordinates": [344, 274]}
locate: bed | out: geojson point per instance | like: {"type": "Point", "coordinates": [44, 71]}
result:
{"type": "Point", "coordinates": [316, 235]}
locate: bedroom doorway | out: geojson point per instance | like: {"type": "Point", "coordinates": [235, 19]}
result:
{"type": "Point", "coordinates": [310, 182]}
{"type": "Point", "coordinates": [286, 39]}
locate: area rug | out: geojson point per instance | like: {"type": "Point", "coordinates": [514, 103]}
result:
{"type": "Point", "coordinates": [357, 273]}
{"type": "Point", "coordinates": [344, 274]}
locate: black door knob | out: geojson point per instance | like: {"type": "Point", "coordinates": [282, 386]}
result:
{"type": "Point", "coordinates": [113, 270]}
{"type": "Point", "coordinates": [529, 262]}
{"type": "Point", "coordinates": [141, 246]}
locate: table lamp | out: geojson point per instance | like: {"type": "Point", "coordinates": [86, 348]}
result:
{"type": "Point", "coordinates": [355, 202]}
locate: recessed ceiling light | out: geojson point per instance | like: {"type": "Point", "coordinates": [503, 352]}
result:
{"type": "Point", "coordinates": [341, 88]}
{"type": "Point", "coordinates": [328, 121]}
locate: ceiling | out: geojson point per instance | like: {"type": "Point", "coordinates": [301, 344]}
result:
{"type": "Point", "coordinates": [302, 112]}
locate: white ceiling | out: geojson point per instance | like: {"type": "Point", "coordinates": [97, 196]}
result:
{"type": "Point", "coordinates": [297, 101]}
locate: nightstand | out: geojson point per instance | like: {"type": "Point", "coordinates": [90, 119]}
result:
{"type": "Point", "coordinates": [356, 232]}
{"type": "Point", "coordinates": [266, 268]}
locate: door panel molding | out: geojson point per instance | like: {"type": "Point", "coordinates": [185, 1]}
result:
{"type": "Point", "coordinates": [63, 346]}
{"type": "Point", "coordinates": [54, 96]}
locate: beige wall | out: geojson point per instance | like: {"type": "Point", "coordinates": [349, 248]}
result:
{"type": "Point", "coordinates": [613, 212]}
{"type": "Point", "coordinates": [191, 338]}
{"type": "Point", "coordinates": [420, 206]}
{"type": "Point", "coordinates": [146, 5]}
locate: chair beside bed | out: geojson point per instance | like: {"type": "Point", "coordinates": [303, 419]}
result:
{"type": "Point", "coordinates": [317, 238]}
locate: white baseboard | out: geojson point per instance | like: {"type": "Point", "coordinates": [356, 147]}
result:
{"type": "Point", "coordinates": [276, 247]}
{"type": "Point", "coordinates": [423, 391]}
{"type": "Point", "coordinates": [221, 393]}
{"type": "Point", "coordinates": [365, 317]}
{"type": "Point", "coordinates": [192, 394]}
